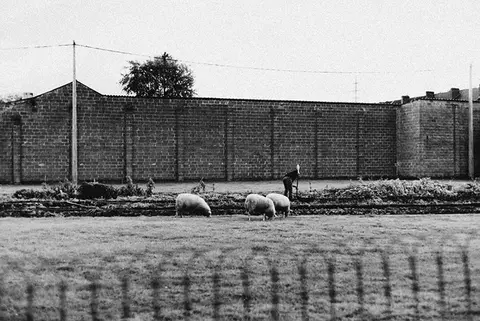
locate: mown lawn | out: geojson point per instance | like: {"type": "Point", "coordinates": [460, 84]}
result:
{"type": "Point", "coordinates": [79, 251]}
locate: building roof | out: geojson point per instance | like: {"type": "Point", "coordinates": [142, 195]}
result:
{"type": "Point", "coordinates": [454, 94]}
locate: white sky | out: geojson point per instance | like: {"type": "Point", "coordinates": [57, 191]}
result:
{"type": "Point", "coordinates": [399, 39]}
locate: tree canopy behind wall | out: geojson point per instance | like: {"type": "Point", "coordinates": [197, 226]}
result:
{"type": "Point", "coordinates": [161, 77]}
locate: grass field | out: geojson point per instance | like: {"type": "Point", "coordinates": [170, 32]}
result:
{"type": "Point", "coordinates": [79, 251]}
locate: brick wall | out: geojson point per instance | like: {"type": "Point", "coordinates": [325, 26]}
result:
{"type": "Point", "coordinates": [408, 140]}
{"type": "Point", "coordinates": [6, 162]}
{"type": "Point", "coordinates": [186, 139]}
{"type": "Point", "coordinates": [433, 138]}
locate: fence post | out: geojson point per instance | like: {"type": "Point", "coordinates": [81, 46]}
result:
{"type": "Point", "coordinates": [216, 290]}
{"type": "Point", "coordinates": [302, 271]}
{"type": "Point", "coordinates": [468, 282]}
{"type": "Point", "coordinates": [30, 295]}
{"type": "Point", "coordinates": [155, 298]}
{"type": "Point", "coordinates": [63, 300]}
{"type": "Point", "coordinates": [125, 298]}
{"type": "Point", "coordinates": [388, 284]}
{"type": "Point", "coordinates": [412, 259]}
{"type": "Point", "coordinates": [187, 304]}
{"type": "Point", "coordinates": [247, 297]}
{"type": "Point", "coordinates": [94, 300]}
{"type": "Point", "coordinates": [360, 287]}
{"type": "Point", "coordinates": [441, 284]}
{"type": "Point", "coordinates": [331, 286]}
{"type": "Point", "coordinates": [275, 298]}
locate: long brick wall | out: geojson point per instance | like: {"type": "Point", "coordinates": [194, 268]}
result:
{"type": "Point", "coordinates": [186, 139]}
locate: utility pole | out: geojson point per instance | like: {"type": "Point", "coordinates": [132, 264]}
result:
{"type": "Point", "coordinates": [74, 123]}
{"type": "Point", "coordinates": [471, 168]}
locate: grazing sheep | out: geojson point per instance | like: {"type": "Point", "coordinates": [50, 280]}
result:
{"type": "Point", "coordinates": [281, 202]}
{"type": "Point", "coordinates": [258, 204]}
{"type": "Point", "coordinates": [192, 204]}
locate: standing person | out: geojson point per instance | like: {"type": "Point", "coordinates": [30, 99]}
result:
{"type": "Point", "coordinates": [288, 180]}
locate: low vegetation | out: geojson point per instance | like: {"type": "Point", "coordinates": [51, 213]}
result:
{"type": "Point", "coordinates": [86, 190]}
{"type": "Point", "coordinates": [360, 197]}
{"type": "Point", "coordinates": [361, 191]}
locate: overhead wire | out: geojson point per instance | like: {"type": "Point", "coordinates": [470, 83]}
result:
{"type": "Point", "coordinates": [249, 67]}
{"type": "Point", "coordinates": [347, 72]}
{"type": "Point", "coordinates": [35, 47]}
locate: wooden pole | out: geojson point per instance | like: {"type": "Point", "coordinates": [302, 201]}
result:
{"type": "Point", "coordinates": [471, 169]}
{"type": "Point", "coordinates": [74, 123]}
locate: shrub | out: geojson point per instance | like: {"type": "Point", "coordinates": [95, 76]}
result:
{"type": "Point", "coordinates": [96, 190]}
{"type": "Point", "coordinates": [150, 187]}
{"type": "Point", "coordinates": [393, 190]}
{"type": "Point", "coordinates": [131, 189]}
{"type": "Point", "coordinates": [471, 191]}
{"type": "Point", "coordinates": [64, 190]}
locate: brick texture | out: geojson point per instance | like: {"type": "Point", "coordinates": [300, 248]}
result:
{"type": "Point", "coordinates": [187, 139]}
{"type": "Point", "coordinates": [432, 138]}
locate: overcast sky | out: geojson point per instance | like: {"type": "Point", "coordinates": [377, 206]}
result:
{"type": "Point", "coordinates": [313, 49]}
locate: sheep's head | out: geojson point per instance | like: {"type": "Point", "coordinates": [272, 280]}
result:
{"type": "Point", "coordinates": [206, 211]}
{"type": "Point", "coordinates": [298, 168]}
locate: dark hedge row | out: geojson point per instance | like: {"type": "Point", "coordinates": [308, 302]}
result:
{"type": "Point", "coordinates": [86, 190]}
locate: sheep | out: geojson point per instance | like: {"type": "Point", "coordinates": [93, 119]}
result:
{"type": "Point", "coordinates": [281, 202]}
{"type": "Point", "coordinates": [192, 204]}
{"type": "Point", "coordinates": [258, 204]}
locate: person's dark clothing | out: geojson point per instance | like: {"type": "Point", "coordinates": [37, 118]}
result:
{"type": "Point", "coordinates": [288, 180]}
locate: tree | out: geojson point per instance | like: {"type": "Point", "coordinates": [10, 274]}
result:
{"type": "Point", "coordinates": [12, 97]}
{"type": "Point", "coordinates": [161, 77]}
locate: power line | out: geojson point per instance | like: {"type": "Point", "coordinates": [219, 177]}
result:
{"type": "Point", "coordinates": [348, 72]}
{"type": "Point", "coordinates": [252, 68]}
{"type": "Point", "coordinates": [35, 47]}
{"type": "Point", "coordinates": [116, 51]}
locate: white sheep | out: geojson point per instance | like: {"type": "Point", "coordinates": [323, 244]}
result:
{"type": "Point", "coordinates": [258, 204]}
{"type": "Point", "coordinates": [192, 204]}
{"type": "Point", "coordinates": [281, 202]}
